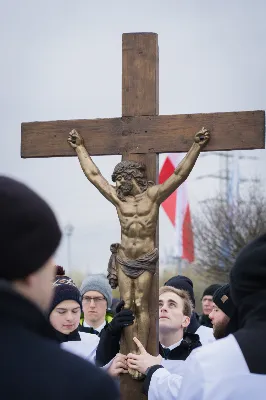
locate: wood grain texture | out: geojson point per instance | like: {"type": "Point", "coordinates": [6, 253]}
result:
{"type": "Point", "coordinates": [140, 84]}
{"type": "Point", "coordinates": [145, 134]}
{"type": "Point", "coordinates": [140, 64]}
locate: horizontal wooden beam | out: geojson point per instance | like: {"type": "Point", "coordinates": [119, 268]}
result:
{"type": "Point", "coordinates": [145, 134]}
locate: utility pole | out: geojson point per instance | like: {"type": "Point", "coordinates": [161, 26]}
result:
{"type": "Point", "coordinates": [68, 232]}
{"type": "Point", "coordinates": [226, 171]}
{"type": "Point", "coordinates": [230, 181]}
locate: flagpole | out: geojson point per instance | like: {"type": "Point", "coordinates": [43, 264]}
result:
{"type": "Point", "coordinates": [179, 266]}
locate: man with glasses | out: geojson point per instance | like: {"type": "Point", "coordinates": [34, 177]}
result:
{"type": "Point", "coordinates": [96, 300]}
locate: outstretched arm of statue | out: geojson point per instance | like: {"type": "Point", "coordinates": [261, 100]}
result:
{"type": "Point", "coordinates": [91, 171]}
{"type": "Point", "coordinates": [182, 171]}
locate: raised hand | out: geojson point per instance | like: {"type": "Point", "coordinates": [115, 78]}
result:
{"type": "Point", "coordinates": [75, 139]}
{"type": "Point", "coordinates": [122, 318]}
{"type": "Point", "coordinates": [202, 137]}
{"type": "Point", "coordinates": [141, 362]}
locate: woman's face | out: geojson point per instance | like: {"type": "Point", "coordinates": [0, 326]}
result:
{"type": "Point", "coordinates": [65, 316]}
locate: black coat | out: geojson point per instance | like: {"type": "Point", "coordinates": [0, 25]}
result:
{"type": "Point", "coordinates": [190, 342]}
{"type": "Point", "coordinates": [204, 320]}
{"type": "Point", "coordinates": [32, 364]}
{"type": "Point", "coordinates": [108, 347]}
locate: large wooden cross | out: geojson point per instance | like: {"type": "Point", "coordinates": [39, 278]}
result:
{"type": "Point", "coordinates": [141, 134]}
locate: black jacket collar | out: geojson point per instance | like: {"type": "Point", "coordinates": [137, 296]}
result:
{"type": "Point", "coordinates": [87, 329]}
{"type": "Point", "coordinates": [72, 337]}
{"type": "Point", "coordinates": [16, 309]}
{"type": "Point", "coordinates": [190, 342]}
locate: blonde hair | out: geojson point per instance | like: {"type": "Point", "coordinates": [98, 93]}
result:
{"type": "Point", "coordinates": [187, 304]}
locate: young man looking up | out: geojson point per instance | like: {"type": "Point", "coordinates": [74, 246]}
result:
{"type": "Point", "coordinates": [184, 283]}
{"type": "Point", "coordinates": [175, 309]}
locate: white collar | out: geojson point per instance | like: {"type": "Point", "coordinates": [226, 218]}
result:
{"type": "Point", "coordinates": [173, 346]}
{"type": "Point", "coordinates": [99, 329]}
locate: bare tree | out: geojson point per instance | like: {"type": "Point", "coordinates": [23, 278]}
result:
{"type": "Point", "coordinates": [222, 229]}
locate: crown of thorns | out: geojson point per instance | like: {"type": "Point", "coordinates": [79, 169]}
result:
{"type": "Point", "coordinates": [132, 168]}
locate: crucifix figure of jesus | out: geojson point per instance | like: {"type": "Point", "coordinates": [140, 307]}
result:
{"type": "Point", "coordinates": [137, 201]}
{"type": "Point", "coordinates": [140, 135]}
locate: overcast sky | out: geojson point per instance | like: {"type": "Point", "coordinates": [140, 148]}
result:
{"type": "Point", "coordinates": [61, 59]}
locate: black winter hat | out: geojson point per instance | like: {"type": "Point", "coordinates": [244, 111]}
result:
{"type": "Point", "coordinates": [29, 232]}
{"type": "Point", "coordinates": [183, 283]}
{"type": "Point", "coordinates": [248, 275]}
{"type": "Point", "coordinates": [64, 289]}
{"type": "Point", "coordinates": [222, 298]}
{"type": "Point", "coordinates": [210, 290]}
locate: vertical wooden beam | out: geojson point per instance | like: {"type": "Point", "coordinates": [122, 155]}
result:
{"type": "Point", "coordinates": [140, 96]}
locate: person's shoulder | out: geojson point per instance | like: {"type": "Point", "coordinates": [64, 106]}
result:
{"type": "Point", "coordinates": [217, 346]}
{"type": "Point", "coordinates": [224, 356]}
{"type": "Point", "coordinates": [91, 380]}
{"type": "Point", "coordinates": [206, 334]}
{"type": "Point", "coordinates": [36, 353]}
{"type": "Point", "coordinates": [242, 386]}
{"type": "Point", "coordinates": [85, 377]}
{"type": "Point", "coordinates": [205, 329]}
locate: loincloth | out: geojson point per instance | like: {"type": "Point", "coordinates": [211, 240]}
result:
{"type": "Point", "coordinates": [131, 268]}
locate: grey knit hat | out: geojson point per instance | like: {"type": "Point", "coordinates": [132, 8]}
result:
{"type": "Point", "coordinates": [100, 283]}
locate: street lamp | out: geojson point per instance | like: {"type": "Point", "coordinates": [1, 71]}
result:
{"type": "Point", "coordinates": [68, 232]}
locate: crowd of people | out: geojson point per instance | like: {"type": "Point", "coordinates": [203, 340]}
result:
{"type": "Point", "coordinates": [60, 341]}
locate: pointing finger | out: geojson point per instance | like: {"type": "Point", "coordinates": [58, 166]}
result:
{"type": "Point", "coordinates": [139, 345]}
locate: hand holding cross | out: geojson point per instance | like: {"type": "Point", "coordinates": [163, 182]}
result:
{"type": "Point", "coordinates": [142, 361]}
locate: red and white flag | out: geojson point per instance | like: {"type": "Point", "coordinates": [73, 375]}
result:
{"type": "Point", "coordinates": [177, 209]}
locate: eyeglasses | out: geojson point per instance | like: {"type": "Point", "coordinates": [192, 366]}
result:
{"type": "Point", "coordinates": [97, 300]}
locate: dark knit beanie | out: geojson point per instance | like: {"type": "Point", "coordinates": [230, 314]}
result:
{"type": "Point", "coordinates": [210, 290]}
{"type": "Point", "coordinates": [222, 298]}
{"type": "Point", "coordinates": [64, 289]}
{"type": "Point", "coordinates": [248, 275]}
{"type": "Point", "coordinates": [29, 232]}
{"type": "Point", "coordinates": [183, 283]}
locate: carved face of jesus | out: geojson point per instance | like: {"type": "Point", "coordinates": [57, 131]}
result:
{"type": "Point", "coordinates": [124, 185]}
{"type": "Point", "coordinates": [130, 178]}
